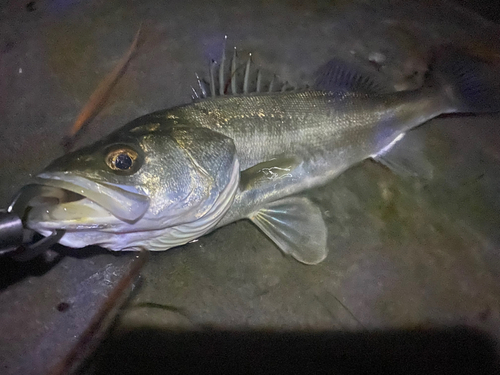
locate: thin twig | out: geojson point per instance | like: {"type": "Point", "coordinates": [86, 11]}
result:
{"type": "Point", "coordinates": [100, 95]}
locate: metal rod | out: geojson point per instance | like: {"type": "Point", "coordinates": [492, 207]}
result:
{"type": "Point", "coordinates": [11, 231]}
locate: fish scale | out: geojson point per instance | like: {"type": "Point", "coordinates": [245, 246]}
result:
{"type": "Point", "coordinates": [269, 125]}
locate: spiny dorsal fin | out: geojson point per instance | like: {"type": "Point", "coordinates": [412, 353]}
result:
{"type": "Point", "coordinates": [237, 77]}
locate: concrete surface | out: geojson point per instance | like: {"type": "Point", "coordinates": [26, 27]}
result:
{"type": "Point", "coordinates": [404, 252]}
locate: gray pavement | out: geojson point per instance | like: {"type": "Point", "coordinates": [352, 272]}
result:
{"type": "Point", "coordinates": [404, 252]}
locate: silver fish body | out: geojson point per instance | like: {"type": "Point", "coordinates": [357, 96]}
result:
{"type": "Point", "coordinates": [173, 175]}
{"type": "Point", "coordinates": [325, 132]}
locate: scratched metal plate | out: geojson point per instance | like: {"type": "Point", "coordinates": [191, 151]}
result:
{"type": "Point", "coordinates": [403, 252]}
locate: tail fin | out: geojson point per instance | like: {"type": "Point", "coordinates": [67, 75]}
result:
{"type": "Point", "coordinates": [469, 83]}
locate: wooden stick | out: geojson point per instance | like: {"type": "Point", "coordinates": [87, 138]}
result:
{"type": "Point", "coordinates": [92, 336]}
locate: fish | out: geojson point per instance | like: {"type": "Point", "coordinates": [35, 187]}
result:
{"type": "Point", "coordinates": [245, 148]}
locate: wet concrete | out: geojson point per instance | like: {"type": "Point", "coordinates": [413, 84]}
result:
{"type": "Point", "coordinates": [404, 252]}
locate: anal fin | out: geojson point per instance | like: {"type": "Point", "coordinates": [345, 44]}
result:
{"type": "Point", "coordinates": [296, 226]}
{"type": "Point", "coordinates": [407, 158]}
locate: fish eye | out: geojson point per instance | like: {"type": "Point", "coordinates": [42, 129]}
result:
{"type": "Point", "coordinates": [122, 159]}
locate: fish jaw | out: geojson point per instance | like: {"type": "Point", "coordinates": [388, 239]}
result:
{"type": "Point", "coordinates": [81, 215]}
{"type": "Point", "coordinates": [65, 201]}
{"type": "Point", "coordinates": [123, 202]}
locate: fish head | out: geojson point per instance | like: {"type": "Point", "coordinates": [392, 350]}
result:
{"type": "Point", "coordinates": [144, 186]}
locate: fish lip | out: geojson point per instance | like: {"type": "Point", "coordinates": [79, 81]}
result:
{"type": "Point", "coordinates": [124, 202]}
{"type": "Point", "coordinates": [45, 219]}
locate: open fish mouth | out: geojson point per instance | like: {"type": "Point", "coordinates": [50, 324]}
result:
{"type": "Point", "coordinates": [65, 201]}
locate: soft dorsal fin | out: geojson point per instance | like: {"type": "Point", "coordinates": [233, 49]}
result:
{"type": "Point", "coordinates": [338, 75]}
{"type": "Point", "coordinates": [234, 77]}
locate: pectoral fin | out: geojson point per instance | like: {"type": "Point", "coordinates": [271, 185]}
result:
{"type": "Point", "coordinates": [275, 169]}
{"type": "Point", "coordinates": [296, 225]}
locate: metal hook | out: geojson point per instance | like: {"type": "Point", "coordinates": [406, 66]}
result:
{"type": "Point", "coordinates": [14, 237]}
{"type": "Point", "coordinates": [31, 251]}
{"type": "Point", "coordinates": [11, 232]}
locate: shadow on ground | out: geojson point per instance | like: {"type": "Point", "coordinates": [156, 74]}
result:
{"type": "Point", "coordinates": [13, 271]}
{"type": "Point", "coordinates": [456, 350]}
